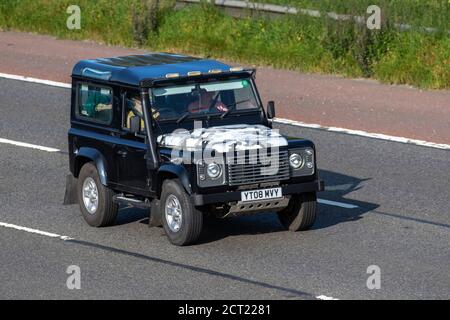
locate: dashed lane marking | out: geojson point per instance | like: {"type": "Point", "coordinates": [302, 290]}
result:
{"type": "Point", "coordinates": [35, 231]}
{"type": "Point", "coordinates": [337, 204]}
{"type": "Point", "coordinates": [28, 145]}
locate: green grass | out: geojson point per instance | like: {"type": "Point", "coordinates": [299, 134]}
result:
{"type": "Point", "coordinates": [425, 13]}
{"type": "Point", "coordinates": [102, 20]}
{"type": "Point", "coordinates": [296, 42]}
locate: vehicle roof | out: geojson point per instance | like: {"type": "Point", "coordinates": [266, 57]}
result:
{"type": "Point", "coordinates": [133, 69]}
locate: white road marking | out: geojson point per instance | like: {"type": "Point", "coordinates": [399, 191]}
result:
{"type": "Point", "coordinates": [337, 204]}
{"type": "Point", "coordinates": [28, 145]}
{"type": "Point", "coordinates": [35, 80]}
{"type": "Point", "coordinates": [35, 231]}
{"type": "Point", "coordinates": [361, 133]}
{"type": "Point", "coordinates": [323, 297]}
{"type": "Point", "coordinates": [279, 120]}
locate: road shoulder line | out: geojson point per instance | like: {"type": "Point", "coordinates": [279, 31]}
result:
{"type": "Point", "coordinates": [35, 80]}
{"type": "Point", "coordinates": [361, 133]}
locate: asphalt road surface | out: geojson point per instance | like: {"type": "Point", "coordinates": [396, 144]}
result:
{"type": "Point", "coordinates": [392, 210]}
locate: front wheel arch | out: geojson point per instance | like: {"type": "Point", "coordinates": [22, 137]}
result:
{"type": "Point", "coordinates": [172, 171]}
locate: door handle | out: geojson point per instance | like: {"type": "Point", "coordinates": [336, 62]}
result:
{"type": "Point", "coordinates": [122, 153]}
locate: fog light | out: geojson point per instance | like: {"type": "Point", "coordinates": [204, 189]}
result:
{"type": "Point", "coordinates": [295, 160]}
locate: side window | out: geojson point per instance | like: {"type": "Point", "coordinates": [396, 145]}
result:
{"type": "Point", "coordinates": [132, 107]}
{"type": "Point", "coordinates": [95, 103]}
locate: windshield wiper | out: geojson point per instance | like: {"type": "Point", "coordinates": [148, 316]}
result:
{"type": "Point", "coordinates": [232, 106]}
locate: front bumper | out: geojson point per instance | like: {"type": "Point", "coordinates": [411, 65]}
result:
{"type": "Point", "coordinates": [202, 199]}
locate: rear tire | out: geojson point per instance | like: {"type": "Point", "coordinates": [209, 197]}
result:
{"type": "Point", "coordinates": [300, 214]}
{"type": "Point", "coordinates": [181, 220]}
{"type": "Point", "coordinates": [95, 200]}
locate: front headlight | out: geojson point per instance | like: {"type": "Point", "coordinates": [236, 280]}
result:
{"type": "Point", "coordinates": [214, 171]}
{"type": "Point", "coordinates": [295, 160]}
{"type": "Point", "coordinates": [302, 162]}
{"type": "Point", "coordinates": [210, 174]}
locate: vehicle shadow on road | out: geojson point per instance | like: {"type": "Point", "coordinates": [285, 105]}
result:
{"type": "Point", "coordinates": [338, 186]}
{"type": "Point", "coordinates": [128, 214]}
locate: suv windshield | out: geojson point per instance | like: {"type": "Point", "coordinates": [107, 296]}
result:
{"type": "Point", "coordinates": [212, 98]}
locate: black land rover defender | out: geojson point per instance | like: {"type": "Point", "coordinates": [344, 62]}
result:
{"type": "Point", "coordinates": [185, 138]}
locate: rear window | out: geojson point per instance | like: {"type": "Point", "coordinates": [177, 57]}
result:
{"type": "Point", "coordinates": [95, 103]}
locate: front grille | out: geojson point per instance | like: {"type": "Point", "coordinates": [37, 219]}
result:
{"type": "Point", "coordinates": [248, 169]}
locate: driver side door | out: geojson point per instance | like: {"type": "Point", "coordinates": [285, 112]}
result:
{"type": "Point", "coordinates": [130, 152]}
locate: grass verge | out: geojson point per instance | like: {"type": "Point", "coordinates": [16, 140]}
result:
{"type": "Point", "coordinates": [296, 42]}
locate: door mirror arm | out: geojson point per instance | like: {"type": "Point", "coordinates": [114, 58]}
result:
{"type": "Point", "coordinates": [135, 124]}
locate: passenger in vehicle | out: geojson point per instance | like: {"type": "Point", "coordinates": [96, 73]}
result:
{"type": "Point", "coordinates": [103, 106]}
{"type": "Point", "coordinates": [206, 100]}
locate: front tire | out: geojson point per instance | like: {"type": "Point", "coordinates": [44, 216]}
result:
{"type": "Point", "coordinates": [300, 214]}
{"type": "Point", "coordinates": [95, 200]}
{"type": "Point", "coordinates": [182, 221]}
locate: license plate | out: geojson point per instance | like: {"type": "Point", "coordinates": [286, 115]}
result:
{"type": "Point", "coordinates": [261, 194]}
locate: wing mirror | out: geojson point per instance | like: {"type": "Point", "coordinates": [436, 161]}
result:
{"type": "Point", "coordinates": [271, 110]}
{"type": "Point", "coordinates": [135, 124]}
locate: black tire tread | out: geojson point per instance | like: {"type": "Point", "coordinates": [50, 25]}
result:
{"type": "Point", "coordinates": [195, 226]}
{"type": "Point", "coordinates": [107, 211]}
{"type": "Point", "coordinates": [300, 215]}
{"type": "Point", "coordinates": [111, 209]}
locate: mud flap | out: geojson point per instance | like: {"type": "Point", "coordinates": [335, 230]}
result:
{"type": "Point", "coordinates": [154, 219]}
{"type": "Point", "coordinates": [70, 196]}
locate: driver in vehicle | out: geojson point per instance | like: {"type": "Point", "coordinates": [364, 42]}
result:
{"type": "Point", "coordinates": [206, 100]}
{"type": "Point", "coordinates": [135, 107]}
